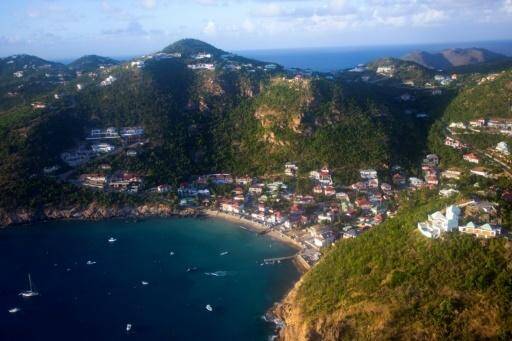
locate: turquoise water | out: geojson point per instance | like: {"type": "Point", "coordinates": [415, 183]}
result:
{"type": "Point", "coordinates": [95, 302]}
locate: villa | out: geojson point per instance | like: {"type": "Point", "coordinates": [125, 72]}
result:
{"type": "Point", "coordinates": [439, 223]}
{"type": "Point", "coordinates": [290, 169]}
{"type": "Point", "coordinates": [102, 148]}
{"type": "Point", "coordinates": [471, 157]}
{"type": "Point", "coordinates": [502, 147]}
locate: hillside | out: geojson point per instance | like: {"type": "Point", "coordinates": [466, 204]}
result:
{"type": "Point", "coordinates": [190, 47]}
{"type": "Point", "coordinates": [487, 97]}
{"type": "Point", "coordinates": [91, 62]}
{"type": "Point", "coordinates": [392, 283]}
{"type": "Point", "coordinates": [404, 71]}
{"type": "Point", "coordinates": [454, 57]}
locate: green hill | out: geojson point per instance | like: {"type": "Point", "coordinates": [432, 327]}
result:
{"type": "Point", "coordinates": [392, 283]}
{"type": "Point", "coordinates": [491, 98]}
{"type": "Point", "coordinates": [91, 62]}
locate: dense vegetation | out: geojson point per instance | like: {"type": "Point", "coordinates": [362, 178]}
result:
{"type": "Point", "coordinates": [393, 283]}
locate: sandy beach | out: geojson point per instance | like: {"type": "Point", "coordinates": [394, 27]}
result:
{"type": "Point", "coordinates": [253, 226]}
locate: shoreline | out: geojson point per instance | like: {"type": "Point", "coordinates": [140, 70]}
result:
{"type": "Point", "coordinates": [254, 227]}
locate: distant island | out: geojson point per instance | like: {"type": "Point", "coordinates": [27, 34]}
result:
{"type": "Point", "coordinates": [455, 57]}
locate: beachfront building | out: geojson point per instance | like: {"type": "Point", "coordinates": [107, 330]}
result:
{"type": "Point", "coordinates": [439, 223]}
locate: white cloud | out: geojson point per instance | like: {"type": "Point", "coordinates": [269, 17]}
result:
{"type": "Point", "coordinates": [210, 28]}
{"type": "Point", "coordinates": [149, 4]}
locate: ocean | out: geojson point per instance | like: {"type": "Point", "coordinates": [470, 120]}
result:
{"type": "Point", "coordinates": [338, 58]}
{"type": "Point", "coordinates": [95, 302]}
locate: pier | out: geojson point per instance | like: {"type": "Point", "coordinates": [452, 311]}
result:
{"type": "Point", "coordinates": [278, 259]}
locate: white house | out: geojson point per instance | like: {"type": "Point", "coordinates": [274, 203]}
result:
{"type": "Point", "coordinates": [103, 148]}
{"type": "Point", "coordinates": [108, 81]}
{"type": "Point", "coordinates": [439, 223]}
{"type": "Point", "coordinates": [502, 147]}
{"type": "Point", "coordinates": [368, 174]}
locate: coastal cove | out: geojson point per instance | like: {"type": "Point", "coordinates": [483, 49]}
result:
{"type": "Point", "coordinates": [96, 301]}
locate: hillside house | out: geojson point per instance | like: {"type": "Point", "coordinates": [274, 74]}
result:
{"type": "Point", "coordinates": [439, 223]}
{"type": "Point", "coordinates": [93, 180]}
{"type": "Point", "coordinates": [452, 173]}
{"type": "Point", "coordinates": [502, 148]}
{"type": "Point", "coordinates": [102, 148]}
{"type": "Point", "coordinates": [290, 169]}
{"type": "Point", "coordinates": [482, 231]}
{"type": "Point", "coordinates": [480, 171]}
{"type": "Point", "coordinates": [471, 157]}
{"type": "Point", "coordinates": [368, 174]}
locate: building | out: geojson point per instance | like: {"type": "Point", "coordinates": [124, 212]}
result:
{"type": "Point", "coordinates": [99, 134]}
{"type": "Point", "coordinates": [108, 81]}
{"type": "Point", "coordinates": [439, 223]}
{"type": "Point", "coordinates": [502, 147]}
{"type": "Point", "coordinates": [291, 169]}
{"type": "Point", "coordinates": [93, 180]}
{"type": "Point", "coordinates": [483, 231]}
{"type": "Point", "coordinates": [368, 174]}
{"type": "Point", "coordinates": [452, 173]}
{"type": "Point", "coordinates": [101, 148]}
{"type": "Point", "coordinates": [458, 125]}
{"type": "Point", "coordinates": [416, 182]}
{"type": "Point", "coordinates": [451, 142]}
{"type": "Point", "coordinates": [471, 157]}
{"type": "Point", "coordinates": [387, 71]}
{"type": "Point", "coordinates": [480, 171]}
{"type": "Point", "coordinates": [38, 105]}
{"type": "Point", "coordinates": [201, 66]}
{"type": "Point", "coordinates": [128, 132]}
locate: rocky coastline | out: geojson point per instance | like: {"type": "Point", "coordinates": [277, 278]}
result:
{"type": "Point", "coordinates": [93, 211]}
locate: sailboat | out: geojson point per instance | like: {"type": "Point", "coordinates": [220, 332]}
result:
{"type": "Point", "coordinates": [30, 292]}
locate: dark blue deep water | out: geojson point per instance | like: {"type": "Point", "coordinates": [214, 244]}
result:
{"type": "Point", "coordinates": [95, 302]}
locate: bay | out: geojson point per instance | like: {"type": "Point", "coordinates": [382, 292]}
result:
{"type": "Point", "coordinates": [95, 302]}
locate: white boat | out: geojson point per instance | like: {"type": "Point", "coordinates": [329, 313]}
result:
{"type": "Point", "coordinates": [112, 240]}
{"type": "Point", "coordinates": [90, 262]}
{"type": "Point", "coordinates": [171, 253]}
{"type": "Point", "coordinates": [30, 292]}
{"type": "Point", "coordinates": [144, 283]}
{"type": "Point", "coordinates": [14, 310]}
{"type": "Point", "coordinates": [209, 307]}
{"type": "Point", "coordinates": [128, 327]}
{"type": "Point", "coordinates": [224, 253]}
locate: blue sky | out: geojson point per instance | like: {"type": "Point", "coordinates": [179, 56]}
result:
{"type": "Point", "coordinates": [71, 28]}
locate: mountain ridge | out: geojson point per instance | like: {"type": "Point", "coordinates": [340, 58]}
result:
{"type": "Point", "coordinates": [453, 57]}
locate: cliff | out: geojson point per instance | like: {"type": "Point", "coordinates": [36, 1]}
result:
{"type": "Point", "coordinates": [92, 211]}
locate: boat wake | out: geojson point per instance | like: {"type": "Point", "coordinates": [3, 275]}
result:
{"type": "Point", "coordinates": [216, 273]}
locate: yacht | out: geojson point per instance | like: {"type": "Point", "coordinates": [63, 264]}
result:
{"type": "Point", "coordinates": [30, 292]}
{"type": "Point", "coordinates": [144, 283]}
{"type": "Point", "coordinates": [209, 307]}
{"type": "Point", "coordinates": [90, 262]}
{"type": "Point", "coordinates": [112, 240]}
{"type": "Point", "coordinates": [14, 310]}
{"type": "Point", "coordinates": [224, 253]}
{"type": "Point", "coordinates": [128, 327]}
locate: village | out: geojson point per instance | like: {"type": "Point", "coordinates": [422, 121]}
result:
{"type": "Point", "coordinates": [310, 218]}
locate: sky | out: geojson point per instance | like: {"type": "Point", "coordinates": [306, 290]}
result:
{"type": "Point", "coordinates": [56, 29]}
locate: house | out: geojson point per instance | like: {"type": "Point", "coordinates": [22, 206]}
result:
{"type": "Point", "coordinates": [353, 233]}
{"type": "Point", "coordinates": [458, 125]}
{"type": "Point", "coordinates": [322, 238]}
{"type": "Point", "coordinates": [221, 179]}
{"type": "Point", "coordinates": [108, 81]}
{"type": "Point", "coordinates": [256, 189]}
{"type": "Point", "coordinates": [368, 174]}
{"type": "Point", "coordinates": [329, 191]}
{"type": "Point", "coordinates": [363, 203]}
{"type": "Point", "coordinates": [99, 134]}
{"type": "Point", "coordinates": [163, 188]}
{"type": "Point", "coordinates": [502, 148]}
{"type": "Point", "coordinates": [452, 173]}
{"type": "Point", "coordinates": [243, 180]}
{"type": "Point", "coordinates": [448, 192]}
{"type": "Point", "coordinates": [454, 143]}
{"type": "Point", "coordinates": [201, 66]}
{"type": "Point", "coordinates": [483, 231]}
{"type": "Point", "coordinates": [439, 223]}
{"type": "Point", "coordinates": [342, 196]}
{"type": "Point", "coordinates": [125, 181]}
{"type": "Point", "coordinates": [387, 71]}
{"type": "Point", "coordinates": [416, 182]}
{"type": "Point", "coordinates": [373, 183]}
{"type": "Point", "coordinates": [128, 132]}
{"type": "Point", "coordinates": [431, 160]}
{"type": "Point", "coordinates": [102, 148]}
{"type": "Point", "coordinates": [399, 179]}
{"type": "Point", "coordinates": [327, 217]}
{"type": "Point", "coordinates": [231, 207]}
{"type": "Point", "coordinates": [385, 187]}
{"type": "Point", "coordinates": [93, 180]}
{"type": "Point", "coordinates": [325, 177]}
{"type": "Point", "coordinates": [202, 55]}
{"type": "Point", "coordinates": [290, 169]}
{"type": "Point", "coordinates": [131, 153]}
{"type": "Point", "coordinates": [471, 157]}
{"type": "Point", "coordinates": [478, 123]}
{"type": "Point", "coordinates": [480, 171]}
{"type": "Point", "coordinates": [38, 105]}
{"type": "Point", "coordinates": [318, 189]}
{"type": "Point", "coordinates": [18, 74]}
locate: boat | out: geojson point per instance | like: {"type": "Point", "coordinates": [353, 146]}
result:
{"type": "Point", "coordinates": [90, 262]}
{"type": "Point", "coordinates": [209, 307]}
{"type": "Point", "coordinates": [128, 327]}
{"type": "Point", "coordinates": [144, 283]}
{"type": "Point", "coordinates": [171, 253]}
{"type": "Point", "coordinates": [112, 240]}
{"type": "Point", "coordinates": [14, 310]}
{"type": "Point", "coordinates": [192, 269]}
{"type": "Point", "coordinates": [30, 292]}
{"type": "Point", "coordinates": [224, 253]}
